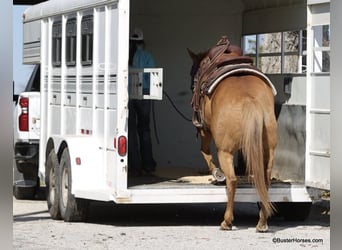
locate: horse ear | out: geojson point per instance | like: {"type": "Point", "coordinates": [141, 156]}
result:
{"type": "Point", "coordinates": [193, 56]}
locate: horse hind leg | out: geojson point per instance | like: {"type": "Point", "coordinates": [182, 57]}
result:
{"type": "Point", "coordinates": [262, 223]}
{"type": "Point", "coordinates": [270, 142]}
{"type": "Point", "coordinates": [226, 163]}
{"type": "Point", "coordinates": [205, 150]}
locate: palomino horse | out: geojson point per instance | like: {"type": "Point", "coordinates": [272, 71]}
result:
{"type": "Point", "coordinates": [237, 114]}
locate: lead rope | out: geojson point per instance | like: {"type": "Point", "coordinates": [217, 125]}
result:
{"type": "Point", "coordinates": [175, 107]}
{"type": "Point", "coordinates": [155, 123]}
{"type": "Point", "coordinates": [154, 116]}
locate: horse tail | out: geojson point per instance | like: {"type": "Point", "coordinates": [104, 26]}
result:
{"type": "Point", "coordinates": [253, 151]}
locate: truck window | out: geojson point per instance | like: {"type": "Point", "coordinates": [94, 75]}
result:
{"type": "Point", "coordinates": [87, 40]}
{"type": "Point", "coordinates": [34, 81]}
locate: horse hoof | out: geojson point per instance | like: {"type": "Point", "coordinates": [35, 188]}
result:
{"type": "Point", "coordinates": [218, 175]}
{"type": "Point", "coordinates": [225, 226]}
{"type": "Point", "coordinates": [262, 228]}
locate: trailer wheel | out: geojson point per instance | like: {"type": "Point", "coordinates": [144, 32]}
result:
{"type": "Point", "coordinates": [294, 211]}
{"type": "Point", "coordinates": [51, 181]}
{"type": "Point", "coordinates": [72, 209]}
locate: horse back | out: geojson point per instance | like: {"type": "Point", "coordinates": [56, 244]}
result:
{"type": "Point", "coordinates": [232, 92]}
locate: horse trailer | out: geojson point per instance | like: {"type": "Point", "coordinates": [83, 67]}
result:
{"type": "Point", "coordinates": [83, 49]}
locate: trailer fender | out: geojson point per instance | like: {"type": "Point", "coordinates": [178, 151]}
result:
{"type": "Point", "coordinates": [85, 160]}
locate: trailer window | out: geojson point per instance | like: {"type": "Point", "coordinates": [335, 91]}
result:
{"type": "Point", "coordinates": [321, 58]}
{"type": "Point", "coordinates": [87, 40]}
{"type": "Point", "coordinates": [71, 42]}
{"type": "Point", "coordinates": [56, 43]}
{"type": "Point", "coordinates": [278, 52]}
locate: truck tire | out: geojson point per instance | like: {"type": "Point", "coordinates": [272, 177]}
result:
{"type": "Point", "coordinates": [25, 185]}
{"type": "Point", "coordinates": [24, 192]}
{"type": "Point", "coordinates": [51, 181]}
{"type": "Point", "coordinates": [72, 209]}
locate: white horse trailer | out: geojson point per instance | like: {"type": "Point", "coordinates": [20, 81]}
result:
{"type": "Point", "coordinates": [83, 46]}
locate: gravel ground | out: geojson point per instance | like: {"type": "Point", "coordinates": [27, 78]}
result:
{"type": "Point", "coordinates": [168, 226]}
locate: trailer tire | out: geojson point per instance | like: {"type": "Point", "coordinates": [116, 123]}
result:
{"type": "Point", "coordinates": [72, 209]}
{"type": "Point", "coordinates": [51, 181]}
{"type": "Point", "coordinates": [294, 211]}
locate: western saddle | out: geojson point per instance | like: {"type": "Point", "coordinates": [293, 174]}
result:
{"type": "Point", "coordinates": [222, 58]}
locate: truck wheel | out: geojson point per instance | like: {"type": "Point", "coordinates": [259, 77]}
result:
{"type": "Point", "coordinates": [72, 209]}
{"type": "Point", "coordinates": [294, 211]}
{"type": "Point", "coordinates": [51, 181]}
{"type": "Point", "coordinates": [24, 189]}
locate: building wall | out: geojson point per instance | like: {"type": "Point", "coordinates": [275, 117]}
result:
{"type": "Point", "coordinates": [292, 17]}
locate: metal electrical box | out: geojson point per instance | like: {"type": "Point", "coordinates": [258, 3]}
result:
{"type": "Point", "coordinates": [154, 76]}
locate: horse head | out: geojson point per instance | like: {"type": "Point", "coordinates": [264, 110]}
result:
{"type": "Point", "coordinates": [196, 61]}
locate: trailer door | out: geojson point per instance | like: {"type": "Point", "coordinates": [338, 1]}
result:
{"type": "Point", "coordinates": [317, 159]}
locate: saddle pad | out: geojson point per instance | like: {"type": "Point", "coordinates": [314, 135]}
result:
{"type": "Point", "coordinates": [247, 71]}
